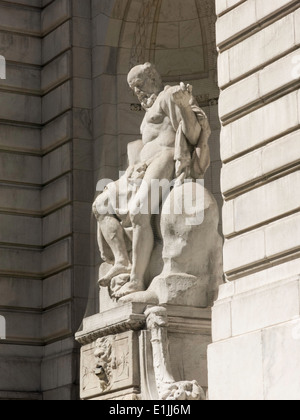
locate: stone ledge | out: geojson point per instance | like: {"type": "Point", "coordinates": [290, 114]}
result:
{"type": "Point", "coordinates": [131, 317]}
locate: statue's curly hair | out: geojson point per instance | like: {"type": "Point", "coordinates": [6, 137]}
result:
{"type": "Point", "coordinates": [149, 70]}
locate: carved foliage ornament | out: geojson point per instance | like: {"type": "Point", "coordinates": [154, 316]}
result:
{"type": "Point", "coordinates": [168, 388]}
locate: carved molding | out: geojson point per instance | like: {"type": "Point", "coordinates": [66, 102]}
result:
{"type": "Point", "coordinates": [134, 323]}
{"type": "Point", "coordinates": [168, 388]}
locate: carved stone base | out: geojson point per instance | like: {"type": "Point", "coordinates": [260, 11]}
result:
{"type": "Point", "coordinates": [117, 359]}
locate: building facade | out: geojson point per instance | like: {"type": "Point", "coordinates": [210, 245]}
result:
{"type": "Point", "coordinates": [66, 117]}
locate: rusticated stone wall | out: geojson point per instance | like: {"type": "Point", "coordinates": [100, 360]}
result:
{"type": "Point", "coordinates": [255, 321]}
{"type": "Point", "coordinates": [46, 187]}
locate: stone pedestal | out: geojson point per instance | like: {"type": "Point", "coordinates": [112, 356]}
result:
{"type": "Point", "coordinates": [256, 335]}
{"type": "Point", "coordinates": [117, 356]}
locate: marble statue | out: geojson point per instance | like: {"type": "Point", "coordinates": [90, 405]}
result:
{"type": "Point", "coordinates": [174, 148]}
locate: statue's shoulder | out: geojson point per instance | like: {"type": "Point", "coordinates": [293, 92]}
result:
{"type": "Point", "coordinates": [168, 92]}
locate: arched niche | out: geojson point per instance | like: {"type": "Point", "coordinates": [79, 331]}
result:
{"type": "Point", "coordinates": [178, 36]}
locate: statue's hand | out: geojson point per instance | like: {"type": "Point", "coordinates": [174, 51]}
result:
{"type": "Point", "coordinates": [183, 95]}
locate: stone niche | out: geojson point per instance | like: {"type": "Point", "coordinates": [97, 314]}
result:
{"type": "Point", "coordinates": [117, 355]}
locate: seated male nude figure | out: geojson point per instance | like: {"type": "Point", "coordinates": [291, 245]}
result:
{"type": "Point", "coordinates": [166, 109]}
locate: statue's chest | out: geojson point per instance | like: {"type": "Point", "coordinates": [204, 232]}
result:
{"type": "Point", "coordinates": [155, 115]}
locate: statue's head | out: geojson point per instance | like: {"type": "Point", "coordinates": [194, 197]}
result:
{"type": "Point", "coordinates": [146, 83]}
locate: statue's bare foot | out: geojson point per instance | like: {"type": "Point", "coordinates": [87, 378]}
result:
{"type": "Point", "coordinates": [149, 296]}
{"type": "Point", "coordinates": [116, 270]}
{"type": "Point", "coordinates": [129, 288]}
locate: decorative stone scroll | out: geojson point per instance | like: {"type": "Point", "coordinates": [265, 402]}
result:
{"type": "Point", "coordinates": [168, 388]}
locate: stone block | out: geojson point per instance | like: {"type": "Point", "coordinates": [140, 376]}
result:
{"type": "Point", "coordinates": [108, 9]}
{"type": "Point", "coordinates": [56, 42]}
{"type": "Point", "coordinates": [23, 326]}
{"type": "Point", "coordinates": [56, 72]}
{"type": "Point", "coordinates": [281, 116]}
{"type": "Point", "coordinates": [20, 20]}
{"type": "Point", "coordinates": [281, 153]}
{"type": "Point", "coordinates": [268, 276]}
{"type": "Point", "coordinates": [239, 95]}
{"type": "Point", "coordinates": [264, 46]}
{"type": "Point", "coordinates": [176, 11]}
{"type": "Point", "coordinates": [82, 93]}
{"type": "Point", "coordinates": [236, 21]}
{"type": "Point", "coordinates": [20, 108]}
{"type": "Point", "coordinates": [56, 102]}
{"type": "Point", "coordinates": [226, 142]}
{"type": "Point", "coordinates": [297, 30]}
{"type": "Point", "coordinates": [57, 289]}
{"type": "Point", "coordinates": [105, 153]}
{"type": "Point", "coordinates": [81, 32]}
{"type": "Point", "coordinates": [281, 363]}
{"type": "Point", "coordinates": [84, 186]}
{"type": "Point", "coordinates": [241, 171]}
{"type": "Point", "coordinates": [105, 120]}
{"type": "Point", "coordinates": [20, 200]}
{"type": "Point", "coordinates": [82, 61]}
{"type": "Point", "coordinates": [20, 262]}
{"type": "Point", "coordinates": [56, 132]}
{"type": "Point", "coordinates": [20, 168]}
{"type": "Point", "coordinates": [20, 230]}
{"type": "Point", "coordinates": [56, 322]}
{"type": "Point", "coordinates": [82, 213]}
{"type": "Point", "coordinates": [82, 243]}
{"type": "Point", "coordinates": [235, 369]}
{"type": "Point", "coordinates": [65, 393]}
{"type": "Point", "coordinates": [106, 31]}
{"type": "Point", "coordinates": [84, 276]}
{"type": "Point", "coordinates": [57, 225]}
{"type": "Point", "coordinates": [278, 74]}
{"type": "Point", "coordinates": [82, 123]}
{"type": "Point", "coordinates": [105, 60]}
{"type": "Point", "coordinates": [56, 13]}
{"type": "Point", "coordinates": [14, 138]}
{"type": "Point", "coordinates": [56, 194]}
{"type": "Point", "coordinates": [283, 235]}
{"type": "Point", "coordinates": [20, 48]}
{"type": "Point", "coordinates": [21, 293]}
{"type": "Point", "coordinates": [22, 79]}
{"type": "Point", "coordinates": [265, 307]}
{"type": "Point", "coordinates": [56, 257]}
{"type": "Point", "coordinates": [222, 325]}
{"type": "Point", "coordinates": [57, 163]}
{"type": "Point", "coordinates": [105, 90]}
{"type": "Point", "coordinates": [82, 154]}
{"type": "Point", "coordinates": [81, 9]}
{"type": "Point", "coordinates": [221, 6]}
{"type": "Point", "coordinates": [268, 202]}
{"type": "Point", "coordinates": [28, 381]}
{"type": "Point", "coordinates": [236, 250]}
{"type": "Point", "coordinates": [265, 8]}
{"type": "Point", "coordinates": [58, 371]}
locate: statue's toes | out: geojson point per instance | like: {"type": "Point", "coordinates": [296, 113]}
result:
{"type": "Point", "coordinates": [104, 282]}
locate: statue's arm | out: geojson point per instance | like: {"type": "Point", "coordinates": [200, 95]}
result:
{"type": "Point", "coordinates": [182, 97]}
{"type": "Point", "coordinates": [134, 151]}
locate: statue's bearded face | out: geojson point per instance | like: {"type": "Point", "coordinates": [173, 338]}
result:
{"type": "Point", "coordinates": [145, 88]}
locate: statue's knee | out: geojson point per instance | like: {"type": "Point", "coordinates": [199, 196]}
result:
{"type": "Point", "coordinates": [100, 206]}
{"type": "Point", "coordinates": [138, 219]}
